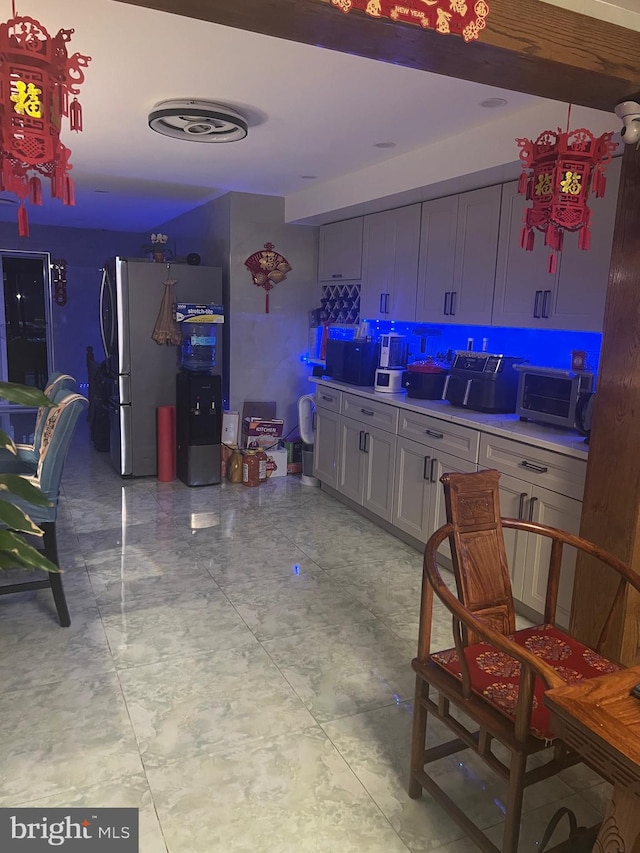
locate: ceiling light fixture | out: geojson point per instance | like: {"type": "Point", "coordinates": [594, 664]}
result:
{"type": "Point", "coordinates": [491, 103]}
{"type": "Point", "coordinates": [197, 121]}
{"type": "Point", "coordinates": [309, 177]}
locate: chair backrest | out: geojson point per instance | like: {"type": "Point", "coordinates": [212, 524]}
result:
{"type": "Point", "coordinates": [58, 429]}
{"type": "Point", "coordinates": [57, 386]}
{"type": "Point", "coordinates": [477, 547]}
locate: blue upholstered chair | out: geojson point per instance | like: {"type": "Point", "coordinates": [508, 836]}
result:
{"type": "Point", "coordinates": [57, 430]}
{"type": "Point", "coordinates": [25, 461]}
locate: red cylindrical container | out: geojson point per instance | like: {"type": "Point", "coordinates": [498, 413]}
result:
{"type": "Point", "coordinates": [166, 420]}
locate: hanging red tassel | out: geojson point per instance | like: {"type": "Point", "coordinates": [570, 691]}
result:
{"type": "Point", "coordinates": [75, 115]}
{"type": "Point", "coordinates": [69, 197]}
{"type": "Point", "coordinates": [524, 237]}
{"type": "Point", "coordinates": [530, 189]}
{"type": "Point", "coordinates": [522, 183]}
{"type": "Point", "coordinates": [530, 240]}
{"type": "Point", "coordinates": [35, 191]}
{"type": "Point", "coordinates": [553, 263]}
{"type": "Point", "coordinates": [266, 302]}
{"type": "Point", "coordinates": [23, 221]}
{"type": "Point", "coordinates": [584, 239]}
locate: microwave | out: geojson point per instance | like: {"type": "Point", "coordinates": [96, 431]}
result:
{"type": "Point", "coordinates": [550, 395]}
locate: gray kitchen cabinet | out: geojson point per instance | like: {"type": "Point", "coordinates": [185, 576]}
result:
{"type": "Point", "coordinates": [366, 473]}
{"type": "Point", "coordinates": [457, 269]}
{"type": "Point", "coordinates": [327, 446]}
{"type": "Point", "coordinates": [526, 475]}
{"type": "Point", "coordinates": [391, 241]}
{"type": "Point", "coordinates": [573, 297]}
{"type": "Point", "coordinates": [418, 507]}
{"type": "Point", "coordinates": [340, 251]}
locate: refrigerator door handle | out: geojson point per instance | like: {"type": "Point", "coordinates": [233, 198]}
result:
{"type": "Point", "coordinates": [103, 286]}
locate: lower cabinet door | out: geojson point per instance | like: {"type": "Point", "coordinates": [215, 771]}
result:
{"type": "Point", "coordinates": [352, 459]}
{"type": "Point", "coordinates": [555, 511]}
{"type": "Point", "coordinates": [380, 457]}
{"type": "Point", "coordinates": [413, 488]}
{"type": "Point", "coordinates": [326, 447]}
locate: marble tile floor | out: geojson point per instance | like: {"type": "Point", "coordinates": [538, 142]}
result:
{"type": "Point", "coordinates": [238, 668]}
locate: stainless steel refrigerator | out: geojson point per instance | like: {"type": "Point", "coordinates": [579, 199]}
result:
{"type": "Point", "coordinates": [142, 374]}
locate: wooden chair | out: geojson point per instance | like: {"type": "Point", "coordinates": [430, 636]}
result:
{"type": "Point", "coordinates": [57, 431]}
{"type": "Point", "coordinates": [496, 675]}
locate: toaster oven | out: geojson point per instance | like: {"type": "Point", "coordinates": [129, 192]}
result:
{"type": "Point", "coordinates": [549, 395]}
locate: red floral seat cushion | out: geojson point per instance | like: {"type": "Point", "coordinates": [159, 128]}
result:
{"type": "Point", "coordinates": [495, 676]}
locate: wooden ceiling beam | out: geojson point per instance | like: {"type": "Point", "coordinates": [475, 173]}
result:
{"type": "Point", "coordinates": [528, 46]}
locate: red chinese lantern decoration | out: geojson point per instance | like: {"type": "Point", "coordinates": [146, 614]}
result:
{"type": "Point", "coordinates": [456, 17]}
{"type": "Point", "coordinates": [267, 268]}
{"type": "Point", "coordinates": [37, 76]}
{"type": "Point", "coordinates": [560, 170]}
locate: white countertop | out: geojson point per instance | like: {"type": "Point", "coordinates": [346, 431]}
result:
{"type": "Point", "coordinates": [565, 441]}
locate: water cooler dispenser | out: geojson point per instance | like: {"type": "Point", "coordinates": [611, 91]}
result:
{"type": "Point", "coordinates": [198, 427]}
{"type": "Point", "coordinates": [199, 395]}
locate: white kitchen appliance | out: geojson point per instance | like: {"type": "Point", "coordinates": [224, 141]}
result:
{"type": "Point", "coordinates": [306, 415]}
{"type": "Point", "coordinates": [389, 380]}
{"type": "Point", "coordinates": [393, 350]}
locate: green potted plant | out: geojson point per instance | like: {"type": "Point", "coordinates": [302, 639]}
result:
{"type": "Point", "coordinates": [15, 552]}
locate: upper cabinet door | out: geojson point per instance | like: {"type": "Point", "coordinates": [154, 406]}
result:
{"type": "Point", "coordinates": [340, 251]}
{"type": "Point", "coordinates": [475, 262]}
{"type": "Point", "coordinates": [523, 285]}
{"type": "Point", "coordinates": [437, 258]}
{"type": "Point", "coordinates": [584, 275]}
{"type": "Point", "coordinates": [390, 264]}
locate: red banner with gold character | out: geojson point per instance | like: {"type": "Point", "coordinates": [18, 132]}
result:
{"type": "Point", "coordinates": [457, 17]}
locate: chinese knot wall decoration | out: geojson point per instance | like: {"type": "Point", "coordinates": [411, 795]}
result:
{"type": "Point", "coordinates": [37, 78]}
{"type": "Point", "coordinates": [456, 17]}
{"type": "Point", "coordinates": [267, 268]}
{"type": "Point", "coordinates": [560, 171]}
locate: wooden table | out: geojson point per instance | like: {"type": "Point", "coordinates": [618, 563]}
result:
{"type": "Point", "coordinates": [600, 721]}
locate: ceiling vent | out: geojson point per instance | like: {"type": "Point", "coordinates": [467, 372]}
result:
{"type": "Point", "coordinates": [197, 121]}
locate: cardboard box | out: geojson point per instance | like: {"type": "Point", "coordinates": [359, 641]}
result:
{"type": "Point", "coordinates": [276, 462]}
{"type": "Point", "coordinates": [258, 432]}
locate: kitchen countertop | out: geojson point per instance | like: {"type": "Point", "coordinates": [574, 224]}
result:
{"type": "Point", "coordinates": [568, 442]}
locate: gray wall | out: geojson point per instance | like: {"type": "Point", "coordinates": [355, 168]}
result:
{"type": "Point", "coordinates": [265, 349]}
{"type": "Point", "coordinates": [75, 325]}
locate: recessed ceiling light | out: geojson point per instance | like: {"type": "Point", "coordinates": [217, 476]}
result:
{"type": "Point", "coordinates": [309, 177]}
{"type": "Point", "coordinates": [494, 102]}
{"type": "Point", "coordinates": [106, 192]}
{"type": "Point", "coordinates": [384, 144]}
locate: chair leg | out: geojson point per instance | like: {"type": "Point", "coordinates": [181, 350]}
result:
{"type": "Point", "coordinates": [418, 738]}
{"type": "Point", "coordinates": [514, 803]}
{"type": "Point", "coordinates": [55, 579]}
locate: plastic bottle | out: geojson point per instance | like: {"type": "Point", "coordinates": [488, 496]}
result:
{"type": "Point", "coordinates": [198, 350]}
{"type": "Point", "coordinates": [234, 471]}
{"type": "Point", "coordinates": [254, 467]}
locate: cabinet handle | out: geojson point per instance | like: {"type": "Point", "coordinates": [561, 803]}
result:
{"type": "Point", "coordinates": [425, 476]}
{"type": "Point", "coordinates": [531, 507]}
{"type": "Point", "coordinates": [361, 441]}
{"type": "Point", "coordinates": [536, 304]}
{"type": "Point", "coordinates": [523, 496]}
{"type": "Point", "coordinates": [327, 398]}
{"type": "Point", "coordinates": [367, 412]}
{"type": "Point", "coordinates": [545, 301]}
{"type": "Point", "coordinates": [434, 434]}
{"type": "Point", "coordinates": [386, 303]}
{"type": "Point", "coordinates": [336, 275]}
{"type": "Point", "coordinates": [539, 469]}
{"type": "Point", "coordinates": [366, 442]}
{"type": "Point", "coordinates": [447, 294]}
{"type": "Point", "coordinates": [454, 294]}
{"type": "Point", "coordinates": [434, 462]}
{"type": "Point", "coordinates": [381, 306]}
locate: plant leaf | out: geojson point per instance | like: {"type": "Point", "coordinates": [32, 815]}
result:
{"type": "Point", "coordinates": [16, 553]}
{"type": "Point", "coordinates": [24, 395]}
{"type": "Point", "coordinates": [21, 487]}
{"type": "Point", "coordinates": [15, 519]}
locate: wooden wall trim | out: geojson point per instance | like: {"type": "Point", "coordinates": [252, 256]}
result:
{"type": "Point", "coordinates": [528, 46]}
